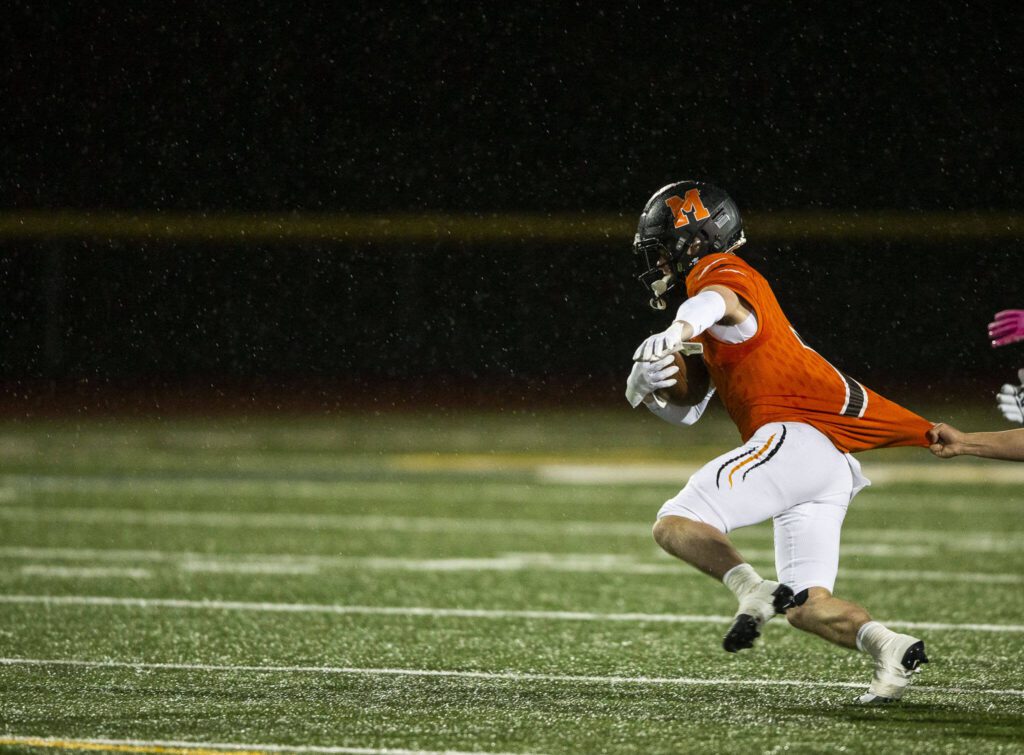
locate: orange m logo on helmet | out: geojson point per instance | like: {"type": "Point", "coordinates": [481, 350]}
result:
{"type": "Point", "coordinates": [690, 202]}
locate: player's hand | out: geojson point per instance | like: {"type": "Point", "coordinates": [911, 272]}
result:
{"type": "Point", "coordinates": [660, 344]}
{"type": "Point", "coordinates": [1010, 399]}
{"type": "Point", "coordinates": [647, 377]}
{"type": "Point", "coordinates": [946, 441]}
{"type": "Point", "coordinates": [1007, 327]}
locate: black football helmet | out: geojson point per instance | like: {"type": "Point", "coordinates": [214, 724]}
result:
{"type": "Point", "coordinates": [681, 223]}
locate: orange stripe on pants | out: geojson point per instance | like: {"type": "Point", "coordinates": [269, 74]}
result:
{"type": "Point", "coordinates": [749, 459]}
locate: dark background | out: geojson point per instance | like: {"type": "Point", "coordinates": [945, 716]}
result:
{"type": "Point", "coordinates": [567, 109]}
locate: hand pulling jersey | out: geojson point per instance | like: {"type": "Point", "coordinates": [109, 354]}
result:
{"type": "Point", "coordinates": [775, 377]}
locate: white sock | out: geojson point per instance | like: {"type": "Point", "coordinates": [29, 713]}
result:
{"type": "Point", "coordinates": [741, 579]}
{"type": "Point", "coordinates": [871, 637]}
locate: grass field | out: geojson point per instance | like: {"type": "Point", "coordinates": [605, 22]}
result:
{"type": "Point", "coordinates": [480, 583]}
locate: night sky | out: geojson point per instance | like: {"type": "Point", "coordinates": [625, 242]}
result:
{"type": "Point", "coordinates": [417, 105]}
{"type": "Point", "coordinates": [534, 108]}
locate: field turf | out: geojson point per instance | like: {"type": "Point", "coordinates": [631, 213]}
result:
{"type": "Point", "coordinates": [468, 582]}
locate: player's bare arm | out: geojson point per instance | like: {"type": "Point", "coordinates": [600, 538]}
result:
{"type": "Point", "coordinates": [947, 442]}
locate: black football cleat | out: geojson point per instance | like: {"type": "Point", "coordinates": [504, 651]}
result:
{"type": "Point", "coordinates": [756, 609]}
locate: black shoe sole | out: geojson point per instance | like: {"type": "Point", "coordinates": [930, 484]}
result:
{"type": "Point", "coordinates": [914, 656]}
{"type": "Point", "coordinates": [744, 631]}
{"type": "Point", "coordinates": [741, 634]}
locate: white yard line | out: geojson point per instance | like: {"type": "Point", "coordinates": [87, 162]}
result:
{"type": "Point", "coordinates": [94, 572]}
{"type": "Point", "coordinates": [249, 487]}
{"type": "Point", "coordinates": [588, 563]}
{"type": "Point", "coordinates": [278, 487]}
{"type": "Point", "coordinates": [923, 575]}
{"type": "Point", "coordinates": [118, 554]}
{"type": "Point", "coordinates": [457, 613]}
{"type": "Point", "coordinates": [959, 540]}
{"type": "Point", "coordinates": [915, 538]}
{"type": "Point", "coordinates": [514, 676]}
{"type": "Point", "coordinates": [189, 747]}
{"type": "Point", "coordinates": [548, 470]}
{"type": "Point", "coordinates": [595, 563]}
{"type": "Point", "coordinates": [209, 566]}
{"type": "Point", "coordinates": [617, 474]}
{"type": "Point", "coordinates": [261, 520]}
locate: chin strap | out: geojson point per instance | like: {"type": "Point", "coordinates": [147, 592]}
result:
{"type": "Point", "coordinates": [659, 288]}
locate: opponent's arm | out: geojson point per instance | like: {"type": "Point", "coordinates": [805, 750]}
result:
{"type": "Point", "coordinates": [711, 305]}
{"type": "Point", "coordinates": [1007, 327]}
{"type": "Point", "coordinates": [947, 442]}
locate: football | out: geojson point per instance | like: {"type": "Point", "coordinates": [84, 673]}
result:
{"type": "Point", "coordinates": [692, 381]}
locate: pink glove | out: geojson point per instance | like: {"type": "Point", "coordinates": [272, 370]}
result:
{"type": "Point", "coordinates": [1008, 327]}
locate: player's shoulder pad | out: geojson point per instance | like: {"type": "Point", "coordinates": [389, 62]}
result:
{"type": "Point", "coordinates": [717, 268]}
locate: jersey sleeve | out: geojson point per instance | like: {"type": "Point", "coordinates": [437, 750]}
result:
{"type": "Point", "coordinates": [725, 270]}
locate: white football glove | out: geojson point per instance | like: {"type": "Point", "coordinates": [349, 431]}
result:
{"type": "Point", "coordinates": [1010, 400]}
{"type": "Point", "coordinates": [657, 346]}
{"type": "Point", "coordinates": [647, 377]}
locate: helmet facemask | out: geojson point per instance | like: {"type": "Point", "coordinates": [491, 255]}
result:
{"type": "Point", "coordinates": [663, 268]}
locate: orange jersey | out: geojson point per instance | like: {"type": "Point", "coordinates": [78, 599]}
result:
{"type": "Point", "coordinates": [775, 377]}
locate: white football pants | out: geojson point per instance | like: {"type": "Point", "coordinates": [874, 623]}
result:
{"type": "Point", "coordinates": [788, 472]}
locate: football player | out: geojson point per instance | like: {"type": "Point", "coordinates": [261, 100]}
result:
{"type": "Point", "coordinates": [800, 419]}
{"type": "Point", "coordinates": [948, 442]}
{"type": "Point", "coordinates": [1008, 327]}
